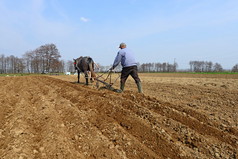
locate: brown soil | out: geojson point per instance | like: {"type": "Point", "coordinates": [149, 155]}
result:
{"type": "Point", "coordinates": [178, 116]}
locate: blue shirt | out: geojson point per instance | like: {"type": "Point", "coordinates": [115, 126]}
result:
{"type": "Point", "coordinates": [126, 57]}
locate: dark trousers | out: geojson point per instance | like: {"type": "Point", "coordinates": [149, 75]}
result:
{"type": "Point", "coordinates": [126, 71]}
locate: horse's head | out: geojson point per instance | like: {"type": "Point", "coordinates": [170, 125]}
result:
{"type": "Point", "coordinates": [75, 62]}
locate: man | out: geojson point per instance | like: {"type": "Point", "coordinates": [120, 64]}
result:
{"type": "Point", "coordinates": [129, 66]}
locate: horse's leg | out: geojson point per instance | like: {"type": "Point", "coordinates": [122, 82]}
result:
{"type": "Point", "coordinates": [78, 76]}
{"type": "Point", "coordinates": [91, 70]}
{"type": "Point", "coordinates": [91, 79]}
{"type": "Point", "coordinates": [86, 77]}
{"type": "Point", "coordinates": [90, 76]}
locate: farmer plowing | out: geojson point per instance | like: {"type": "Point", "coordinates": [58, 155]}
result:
{"type": "Point", "coordinates": [129, 67]}
{"type": "Point", "coordinates": [86, 65]}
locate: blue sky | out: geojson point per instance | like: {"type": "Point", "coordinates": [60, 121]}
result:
{"type": "Point", "coordinates": [156, 30]}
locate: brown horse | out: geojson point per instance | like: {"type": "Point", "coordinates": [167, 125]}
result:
{"type": "Point", "coordinates": [85, 65]}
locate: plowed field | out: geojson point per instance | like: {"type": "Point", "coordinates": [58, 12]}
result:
{"type": "Point", "coordinates": [177, 116]}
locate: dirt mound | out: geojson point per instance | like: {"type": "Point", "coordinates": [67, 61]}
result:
{"type": "Point", "coordinates": [45, 117]}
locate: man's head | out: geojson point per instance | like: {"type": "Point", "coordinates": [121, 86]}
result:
{"type": "Point", "coordinates": [122, 45]}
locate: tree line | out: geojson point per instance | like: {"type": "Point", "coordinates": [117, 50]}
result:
{"type": "Point", "coordinates": [205, 66]}
{"type": "Point", "coordinates": [208, 66]}
{"type": "Point", "coordinates": [158, 67]}
{"type": "Point", "coordinates": [46, 59]}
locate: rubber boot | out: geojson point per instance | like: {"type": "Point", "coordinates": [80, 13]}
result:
{"type": "Point", "coordinates": [122, 86]}
{"type": "Point", "coordinates": [139, 87]}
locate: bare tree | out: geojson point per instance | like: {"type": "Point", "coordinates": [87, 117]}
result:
{"type": "Point", "coordinates": [43, 59]}
{"type": "Point", "coordinates": [201, 66]}
{"type": "Point", "coordinates": [2, 64]}
{"type": "Point", "coordinates": [28, 58]}
{"type": "Point", "coordinates": [19, 65]}
{"type": "Point", "coordinates": [142, 68]}
{"type": "Point", "coordinates": [208, 66]}
{"type": "Point", "coordinates": [158, 67]}
{"type": "Point", "coordinates": [50, 56]}
{"type": "Point", "coordinates": [69, 66]}
{"type": "Point", "coordinates": [235, 68]}
{"type": "Point", "coordinates": [217, 67]}
{"type": "Point", "coordinates": [175, 66]}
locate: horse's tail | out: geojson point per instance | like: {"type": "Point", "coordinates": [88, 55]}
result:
{"type": "Point", "coordinates": [91, 67]}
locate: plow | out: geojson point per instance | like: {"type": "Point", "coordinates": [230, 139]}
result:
{"type": "Point", "coordinates": [107, 81]}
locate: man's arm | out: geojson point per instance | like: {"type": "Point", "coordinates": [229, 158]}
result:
{"type": "Point", "coordinates": [116, 61]}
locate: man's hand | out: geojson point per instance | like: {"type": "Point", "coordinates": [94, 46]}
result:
{"type": "Point", "coordinates": [110, 69]}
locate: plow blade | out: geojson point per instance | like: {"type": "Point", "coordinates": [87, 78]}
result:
{"type": "Point", "coordinates": [107, 86]}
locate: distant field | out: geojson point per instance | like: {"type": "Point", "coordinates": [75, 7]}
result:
{"type": "Point", "coordinates": [16, 74]}
{"type": "Point", "coordinates": [175, 74]}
